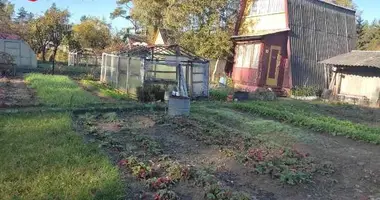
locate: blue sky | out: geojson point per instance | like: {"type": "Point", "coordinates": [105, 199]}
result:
{"type": "Point", "coordinates": [103, 8]}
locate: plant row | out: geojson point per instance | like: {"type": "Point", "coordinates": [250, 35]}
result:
{"type": "Point", "coordinates": [314, 122]}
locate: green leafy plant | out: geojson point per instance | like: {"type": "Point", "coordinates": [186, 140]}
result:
{"type": "Point", "coordinates": [219, 94]}
{"type": "Point", "coordinates": [312, 121]}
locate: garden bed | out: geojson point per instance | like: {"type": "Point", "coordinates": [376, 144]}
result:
{"type": "Point", "coordinates": [15, 93]}
{"type": "Point", "coordinates": [223, 154]}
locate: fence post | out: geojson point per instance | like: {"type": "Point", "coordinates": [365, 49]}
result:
{"type": "Point", "coordinates": [105, 68]}
{"type": "Point", "coordinates": [127, 81]}
{"type": "Point", "coordinates": [117, 71]}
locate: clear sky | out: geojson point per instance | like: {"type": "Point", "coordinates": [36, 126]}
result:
{"type": "Point", "coordinates": [103, 8]}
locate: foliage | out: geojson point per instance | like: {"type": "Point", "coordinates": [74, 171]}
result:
{"type": "Point", "coordinates": [92, 33]}
{"type": "Point", "coordinates": [42, 158]}
{"type": "Point", "coordinates": [219, 94]}
{"type": "Point", "coordinates": [204, 27]}
{"type": "Point", "coordinates": [59, 91]}
{"type": "Point", "coordinates": [56, 22]}
{"type": "Point", "coordinates": [312, 121]}
{"type": "Point", "coordinates": [306, 91]}
{"type": "Point", "coordinates": [150, 93]}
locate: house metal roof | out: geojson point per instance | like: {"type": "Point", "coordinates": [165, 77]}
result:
{"type": "Point", "coordinates": [356, 59]}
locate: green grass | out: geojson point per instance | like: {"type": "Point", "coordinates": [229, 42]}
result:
{"type": "Point", "coordinates": [42, 158]}
{"type": "Point", "coordinates": [105, 90]}
{"type": "Point", "coordinates": [60, 91]}
{"type": "Point", "coordinates": [312, 120]}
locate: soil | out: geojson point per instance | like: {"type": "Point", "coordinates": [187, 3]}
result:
{"type": "Point", "coordinates": [355, 165]}
{"type": "Point", "coordinates": [15, 93]}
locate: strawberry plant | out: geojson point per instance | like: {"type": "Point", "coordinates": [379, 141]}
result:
{"type": "Point", "coordinates": [165, 195]}
{"type": "Point", "coordinates": [160, 183]}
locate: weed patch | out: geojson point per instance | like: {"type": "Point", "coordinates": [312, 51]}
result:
{"type": "Point", "coordinates": [105, 90]}
{"type": "Point", "coordinates": [59, 91]}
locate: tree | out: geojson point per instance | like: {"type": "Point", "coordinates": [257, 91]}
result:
{"type": "Point", "coordinates": [361, 28]}
{"type": "Point", "coordinates": [38, 37]}
{"type": "Point", "coordinates": [23, 16]}
{"type": "Point", "coordinates": [192, 23]}
{"type": "Point", "coordinates": [92, 33]}
{"type": "Point", "coordinates": [56, 22]}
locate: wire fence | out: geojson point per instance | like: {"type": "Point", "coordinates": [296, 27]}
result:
{"type": "Point", "coordinates": [78, 59]}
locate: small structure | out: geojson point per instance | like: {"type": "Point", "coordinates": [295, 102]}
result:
{"type": "Point", "coordinates": [356, 77]}
{"type": "Point", "coordinates": [86, 57]}
{"type": "Point", "coordinates": [280, 42]}
{"type": "Point", "coordinates": [23, 55]}
{"type": "Point", "coordinates": [159, 64]}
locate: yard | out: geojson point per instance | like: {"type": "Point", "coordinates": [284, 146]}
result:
{"type": "Point", "coordinates": [283, 149]}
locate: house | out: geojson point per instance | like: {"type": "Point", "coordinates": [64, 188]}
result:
{"type": "Point", "coordinates": [278, 43]}
{"type": "Point", "coordinates": [356, 77]}
{"type": "Point", "coordinates": [163, 37]}
{"type": "Point", "coordinates": [21, 52]}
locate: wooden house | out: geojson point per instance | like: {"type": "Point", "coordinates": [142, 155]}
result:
{"type": "Point", "coordinates": [278, 43]}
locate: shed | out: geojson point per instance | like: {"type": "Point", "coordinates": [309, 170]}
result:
{"type": "Point", "coordinates": [356, 76]}
{"type": "Point", "coordinates": [278, 43]}
{"type": "Point", "coordinates": [23, 55]}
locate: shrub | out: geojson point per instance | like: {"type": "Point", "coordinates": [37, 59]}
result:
{"type": "Point", "coordinates": [263, 94]}
{"type": "Point", "coordinates": [306, 91]}
{"type": "Point", "coordinates": [150, 93]}
{"type": "Point", "coordinates": [219, 94]}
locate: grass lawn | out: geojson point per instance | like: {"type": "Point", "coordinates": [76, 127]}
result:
{"type": "Point", "coordinates": [104, 90]}
{"type": "Point", "coordinates": [42, 158]}
{"type": "Point", "coordinates": [59, 91]}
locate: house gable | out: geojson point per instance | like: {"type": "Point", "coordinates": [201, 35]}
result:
{"type": "Point", "coordinates": [263, 16]}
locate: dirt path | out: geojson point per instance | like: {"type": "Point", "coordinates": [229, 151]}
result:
{"type": "Point", "coordinates": [15, 93]}
{"type": "Point", "coordinates": [355, 165]}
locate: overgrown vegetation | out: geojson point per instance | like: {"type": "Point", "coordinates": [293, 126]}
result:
{"type": "Point", "coordinates": [59, 91]}
{"type": "Point", "coordinates": [150, 93]}
{"type": "Point", "coordinates": [219, 94]}
{"type": "Point", "coordinates": [312, 121]}
{"type": "Point", "coordinates": [306, 91]}
{"type": "Point", "coordinates": [104, 90]}
{"type": "Point", "coordinates": [42, 158]}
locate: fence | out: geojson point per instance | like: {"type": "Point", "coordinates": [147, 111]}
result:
{"type": "Point", "coordinates": [77, 59]}
{"type": "Point", "coordinates": [128, 73]}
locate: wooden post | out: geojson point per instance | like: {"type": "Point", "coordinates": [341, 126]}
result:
{"type": "Point", "coordinates": [117, 71]}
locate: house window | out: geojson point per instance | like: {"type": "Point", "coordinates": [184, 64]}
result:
{"type": "Point", "coordinates": [262, 7]}
{"type": "Point", "coordinates": [248, 55]}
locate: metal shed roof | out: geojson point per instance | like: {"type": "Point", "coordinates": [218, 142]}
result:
{"type": "Point", "coordinates": [356, 59]}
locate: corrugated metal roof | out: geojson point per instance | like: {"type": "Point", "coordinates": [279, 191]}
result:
{"type": "Point", "coordinates": [356, 58]}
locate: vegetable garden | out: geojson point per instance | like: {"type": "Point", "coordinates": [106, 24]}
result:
{"type": "Point", "coordinates": [94, 142]}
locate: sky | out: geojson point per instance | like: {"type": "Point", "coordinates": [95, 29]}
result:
{"type": "Point", "coordinates": [103, 8]}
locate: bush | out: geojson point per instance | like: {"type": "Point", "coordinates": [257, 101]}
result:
{"type": "Point", "coordinates": [306, 91]}
{"type": "Point", "coordinates": [150, 93]}
{"type": "Point", "coordinates": [263, 94]}
{"type": "Point", "coordinates": [219, 94]}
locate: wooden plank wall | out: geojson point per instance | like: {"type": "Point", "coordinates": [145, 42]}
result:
{"type": "Point", "coordinates": [318, 31]}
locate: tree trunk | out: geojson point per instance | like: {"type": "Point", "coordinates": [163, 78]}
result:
{"type": "Point", "coordinates": [43, 54]}
{"type": "Point", "coordinates": [54, 54]}
{"type": "Point", "coordinates": [215, 69]}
